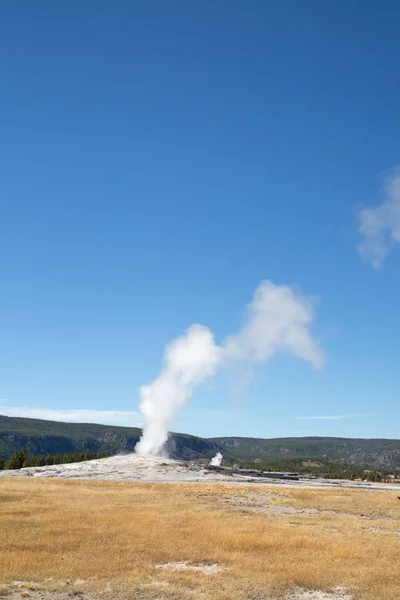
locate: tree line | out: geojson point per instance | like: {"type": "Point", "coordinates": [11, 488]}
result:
{"type": "Point", "coordinates": [22, 459]}
{"type": "Point", "coordinates": [317, 467]}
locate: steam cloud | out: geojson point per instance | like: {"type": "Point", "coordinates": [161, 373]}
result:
{"type": "Point", "coordinates": [380, 225]}
{"type": "Point", "coordinates": [216, 460]}
{"type": "Point", "coordinates": [276, 319]}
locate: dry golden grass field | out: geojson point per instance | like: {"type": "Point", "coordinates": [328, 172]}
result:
{"type": "Point", "coordinates": [113, 539]}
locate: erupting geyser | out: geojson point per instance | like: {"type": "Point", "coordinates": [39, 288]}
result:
{"type": "Point", "coordinates": [216, 460]}
{"type": "Point", "coordinates": [276, 319]}
{"type": "Point", "coordinates": [188, 361]}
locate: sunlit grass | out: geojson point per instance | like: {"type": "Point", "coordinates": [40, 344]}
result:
{"type": "Point", "coordinates": [111, 536]}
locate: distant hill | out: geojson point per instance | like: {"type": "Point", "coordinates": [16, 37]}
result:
{"type": "Point", "coordinates": [52, 437]}
{"type": "Point", "coordinates": [374, 453]}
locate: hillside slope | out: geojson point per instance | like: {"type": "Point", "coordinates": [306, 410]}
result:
{"type": "Point", "coordinates": [52, 437]}
{"type": "Point", "coordinates": [375, 453]}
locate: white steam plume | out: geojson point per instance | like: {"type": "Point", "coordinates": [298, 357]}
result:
{"type": "Point", "coordinates": [276, 319]}
{"type": "Point", "coordinates": [380, 224]}
{"type": "Point", "coordinates": [188, 360]}
{"type": "Point", "coordinates": [216, 460]}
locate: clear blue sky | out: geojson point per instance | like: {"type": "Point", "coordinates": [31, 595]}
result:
{"type": "Point", "coordinates": [158, 160]}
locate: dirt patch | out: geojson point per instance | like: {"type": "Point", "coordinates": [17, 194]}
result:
{"type": "Point", "coordinates": [261, 503]}
{"type": "Point", "coordinates": [337, 593]}
{"type": "Point", "coordinates": [185, 565]}
{"type": "Point", "coordinates": [17, 594]}
{"type": "Point", "coordinates": [11, 594]}
{"type": "Point", "coordinates": [379, 530]}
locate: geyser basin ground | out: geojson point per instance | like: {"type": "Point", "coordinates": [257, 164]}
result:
{"type": "Point", "coordinates": [121, 540]}
{"type": "Point", "coordinates": [133, 467]}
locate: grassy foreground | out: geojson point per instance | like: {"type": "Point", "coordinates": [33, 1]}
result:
{"type": "Point", "coordinates": [109, 537]}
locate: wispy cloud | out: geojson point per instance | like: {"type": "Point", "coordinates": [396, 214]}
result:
{"type": "Point", "coordinates": [338, 417]}
{"type": "Point", "coordinates": [380, 225]}
{"type": "Point", "coordinates": [105, 417]}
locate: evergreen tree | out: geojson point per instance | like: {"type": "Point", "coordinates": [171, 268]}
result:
{"type": "Point", "coordinates": [17, 460]}
{"type": "Point", "coordinates": [21, 459]}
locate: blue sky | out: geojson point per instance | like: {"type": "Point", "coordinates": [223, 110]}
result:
{"type": "Point", "coordinates": [159, 160]}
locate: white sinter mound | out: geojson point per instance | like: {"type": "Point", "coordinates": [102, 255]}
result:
{"type": "Point", "coordinates": [134, 467]}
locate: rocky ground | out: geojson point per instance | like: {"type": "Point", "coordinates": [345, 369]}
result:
{"type": "Point", "coordinates": [27, 591]}
{"type": "Point", "coordinates": [338, 594]}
